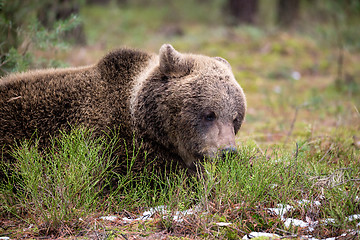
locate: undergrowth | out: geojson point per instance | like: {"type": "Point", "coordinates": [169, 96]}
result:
{"type": "Point", "coordinates": [56, 186]}
{"type": "Point", "coordinates": [69, 183]}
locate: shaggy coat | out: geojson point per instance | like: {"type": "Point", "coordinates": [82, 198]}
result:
{"type": "Point", "coordinates": [177, 108]}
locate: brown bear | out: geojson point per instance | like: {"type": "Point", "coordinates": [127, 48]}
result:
{"type": "Point", "coordinates": [177, 108]}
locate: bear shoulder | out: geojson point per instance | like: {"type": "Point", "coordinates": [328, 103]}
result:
{"type": "Point", "coordinates": [123, 63]}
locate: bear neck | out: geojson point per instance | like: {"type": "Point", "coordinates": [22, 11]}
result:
{"type": "Point", "coordinates": [152, 112]}
{"type": "Point", "coordinates": [120, 69]}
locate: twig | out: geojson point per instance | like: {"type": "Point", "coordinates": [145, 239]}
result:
{"type": "Point", "coordinates": [289, 236]}
{"type": "Point", "coordinates": [283, 231]}
{"type": "Point", "coordinates": [344, 182]}
{"type": "Point", "coordinates": [292, 124]}
{"type": "Point", "coordinates": [340, 57]}
{"type": "Point", "coordinates": [238, 230]}
{"type": "Point", "coordinates": [13, 98]}
{"type": "Point", "coordinates": [356, 109]}
{"type": "Point", "coordinates": [6, 227]}
{"type": "Point", "coordinates": [340, 62]}
{"type": "Point", "coordinates": [124, 236]}
{"type": "Point", "coordinates": [295, 157]}
{"type": "Point", "coordinates": [296, 152]}
{"type": "Point", "coordinates": [4, 62]}
{"type": "Point", "coordinates": [330, 148]}
{"type": "Point", "coordinates": [262, 152]}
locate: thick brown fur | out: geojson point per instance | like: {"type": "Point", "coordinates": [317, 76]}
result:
{"type": "Point", "coordinates": [180, 107]}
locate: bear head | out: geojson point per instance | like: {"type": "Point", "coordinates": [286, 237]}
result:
{"type": "Point", "coordinates": [190, 105]}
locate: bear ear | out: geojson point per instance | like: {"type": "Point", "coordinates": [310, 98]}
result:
{"type": "Point", "coordinates": [173, 63]}
{"type": "Point", "coordinates": [220, 59]}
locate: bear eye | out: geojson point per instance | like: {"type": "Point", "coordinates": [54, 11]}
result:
{"type": "Point", "coordinates": [237, 124]}
{"type": "Point", "coordinates": [210, 116]}
{"type": "Point", "coordinates": [235, 120]}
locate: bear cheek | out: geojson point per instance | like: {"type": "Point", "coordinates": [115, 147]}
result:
{"type": "Point", "coordinates": [189, 142]}
{"type": "Point", "coordinates": [186, 155]}
{"type": "Point", "coordinates": [209, 146]}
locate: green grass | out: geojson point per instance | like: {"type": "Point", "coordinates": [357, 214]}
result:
{"type": "Point", "coordinates": [65, 186]}
{"type": "Point", "coordinates": [58, 185]}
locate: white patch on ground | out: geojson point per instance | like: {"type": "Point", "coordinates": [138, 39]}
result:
{"type": "Point", "coordinates": [148, 214]}
{"type": "Point", "coordinates": [272, 186]}
{"type": "Point", "coordinates": [329, 221]}
{"type": "Point", "coordinates": [223, 224]}
{"type": "Point", "coordinates": [260, 234]}
{"type": "Point", "coordinates": [180, 215]}
{"type": "Point", "coordinates": [295, 222]}
{"type": "Point", "coordinates": [295, 75]}
{"type": "Point", "coordinates": [281, 209]}
{"type": "Point", "coordinates": [109, 218]}
{"type": "Point", "coordinates": [353, 217]}
{"type": "Point", "coordinates": [177, 216]}
{"type": "Point", "coordinates": [277, 89]}
{"type": "Point", "coordinates": [309, 237]}
{"type": "Point", "coordinates": [28, 228]}
{"type": "Point", "coordinates": [307, 202]}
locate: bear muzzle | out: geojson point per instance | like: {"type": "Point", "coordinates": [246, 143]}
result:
{"type": "Point", "coordinates": [229, 151]}
{"type": "Point", "coordinates": [225, 140]}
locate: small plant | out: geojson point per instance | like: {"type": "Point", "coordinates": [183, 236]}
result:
{"type": "Point", "coordinates": [21, 33]}
{"type": "Point", "coordinates": [59, 185]}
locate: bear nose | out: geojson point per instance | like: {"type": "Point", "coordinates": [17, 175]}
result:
{"type": "Point", "coordinates": [228, 151]}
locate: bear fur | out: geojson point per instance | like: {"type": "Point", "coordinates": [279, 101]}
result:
{"type": "Point", "coordinates": [177, 108]}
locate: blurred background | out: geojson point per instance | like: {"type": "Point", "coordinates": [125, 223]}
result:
{"type": "Point", "coordinates": [297, 60]}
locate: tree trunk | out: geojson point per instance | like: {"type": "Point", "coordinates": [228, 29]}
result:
{"type": "Point", "coordinates": [242, 11]}
{"type": "Point", "coordinates": [288, 12]}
